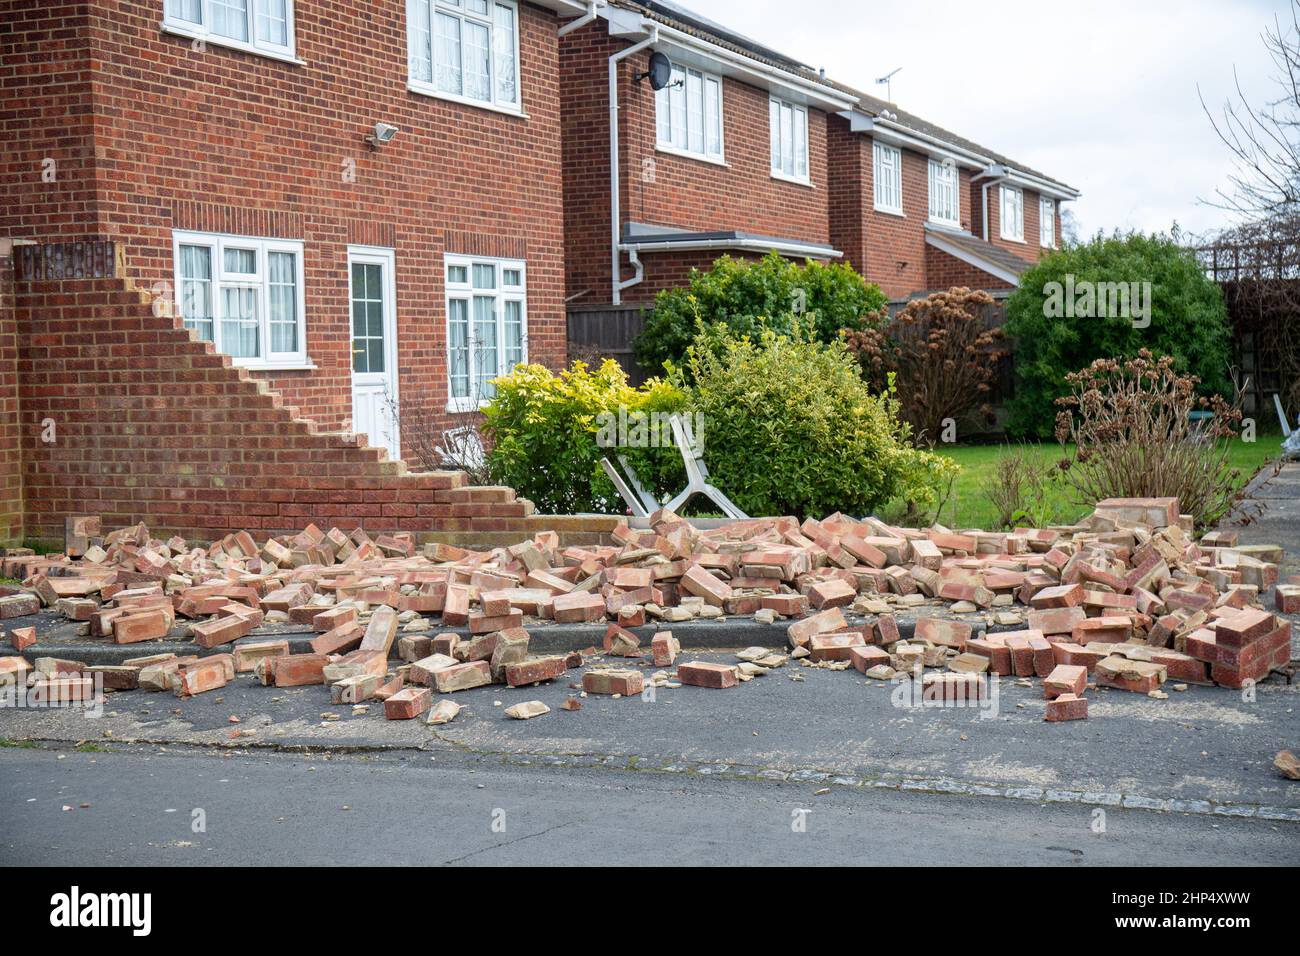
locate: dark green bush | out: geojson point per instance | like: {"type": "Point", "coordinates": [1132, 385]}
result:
{"type": "Point", "coordinates": [790, 427]}
{"type": "Point", "coordinates": [1187, 320]}
{"type": "Point", "coordinates": [749, 296]}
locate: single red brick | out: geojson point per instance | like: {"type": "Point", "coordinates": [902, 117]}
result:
{"type": "Point", "coordinates": [605, 681]}
{"type": "Point", "coordinates": [408, 703]}
{"type": "Point", "coordinates": [1065, 679]}
{"type": "Point", "coordinates": [534, 670]}
{"type": "Point", "coordinates": [22, 638]}
{"type": "Point", "coordinates": [704, 674]}
{"type": "Point", "coordinates": [1067, 707]}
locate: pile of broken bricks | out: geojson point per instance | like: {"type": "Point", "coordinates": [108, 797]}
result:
{"type": "Point", "coordinates": [1126, 599]}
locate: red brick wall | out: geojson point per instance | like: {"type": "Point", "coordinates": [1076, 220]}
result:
{"type": "Point", "coordinates": [47, 171]}
{"type": "Point", "coordinates": [11, 484]}
{"type": "Point", "coordinates": [223, 140]}
{"type": "Point", "coordinates": [685, 193]}
{"type": "Point", "coordinates": [943, 271]}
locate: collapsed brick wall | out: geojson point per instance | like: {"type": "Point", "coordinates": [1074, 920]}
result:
{"type": "Point", "coordinates": [151, 425]}
{"type": "Point", "coordinates": [11, 483]}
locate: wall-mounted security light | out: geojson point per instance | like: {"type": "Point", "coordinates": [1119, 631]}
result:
{"type": "Point", "coordinates": [383, 133]}
{"type": "Point", "coordinates": [660, 73]}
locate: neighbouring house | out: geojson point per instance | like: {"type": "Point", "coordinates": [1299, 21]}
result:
{"type": "Point", "coordinates": [916, 208]}
{"type": "Point", "coordinates": [748, 150]}
{"type": "Point", "coordinates": [239, 227]}
{"type": "Point", "coordinates": [729, 157]}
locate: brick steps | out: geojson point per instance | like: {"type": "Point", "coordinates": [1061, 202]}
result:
{"type": "Point", "coordinates": [156, 426]}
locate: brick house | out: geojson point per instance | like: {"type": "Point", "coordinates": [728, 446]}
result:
{"type": "Point", "coordinates": [916, 208]}
{"type": "Point", "coordinates": [224, 260]}
{"type": "Point", "coordinates": [692, 172]}
{"type": "Point", "coordinates": [749, 151]}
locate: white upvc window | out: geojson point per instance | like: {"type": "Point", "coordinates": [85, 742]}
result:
{"type": "Point", "coordinates": [945, 204]}
{"type": "Point", "coordinates": [259, 26]}
{"type": "Point", "coordinates": [1013, 214]}
{"type": "Point", "coordinates": [244, 295]}
{"type": "Point", "coordinates": [487, 326]}
{"type": "Point", "coordinates": [789, 134]}
{"type": "Point", "coordinates": [1047, 222]}
{"type": "Point", "coordinates": [688, 114]}
{"type": "Point", "coordinates": [465, 50]}
{"type": "Point", "coordinates": [887, 177]}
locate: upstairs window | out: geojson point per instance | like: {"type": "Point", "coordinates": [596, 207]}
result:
{"type": "Point", "coordinates": [688, 114]}
{"type": "Point", "coordinates": [887, 176]}
{"type": "Point", "coordinates": [789, 135]}
{"type": "Point", "coordinates": [487, 326]}
{"type": "Point", "coordinates": [244, 295]}
{"type": "Point", "coordinates": [944, 204]}
{"type": "Point", "coordinates": [465, 50]}
{"type": "Point", "coordinates": [260, 26]}
{"type": "Point", "coordinates": [1013, 214]}
{"type": "Point", "coordinates": [1047, 222]}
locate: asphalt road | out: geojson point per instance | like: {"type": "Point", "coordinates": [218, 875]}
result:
{"type": "Point", "coordinates": [448, 809]}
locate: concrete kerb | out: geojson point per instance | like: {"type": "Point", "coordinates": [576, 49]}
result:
{"type": "Point", "coordinates": [544, 638]}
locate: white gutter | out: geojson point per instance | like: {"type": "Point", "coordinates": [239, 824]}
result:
{"type": "Point", "coordinates": [865, 123]}
{"type": "Point", "coordinates": [615, 225]}
{"type": "Point", "coordinates": [822, 97]}
{"type": "Point", "coordinates": [592, 12]}
{"type": "Point", "coordinates": [746, 244]}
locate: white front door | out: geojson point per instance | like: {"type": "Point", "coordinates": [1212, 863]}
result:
{"type": "Point", "coordinates": [371, 303]}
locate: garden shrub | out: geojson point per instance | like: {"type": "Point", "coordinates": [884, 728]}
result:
{"type": "Point", "coordinates": [940, 354]}
{"type": "Point", "coordinates": [543, 430]}
{"type": "Point", "coordinates": [1131, 426]}
{"type": "Point", "coordinates": [790, 427]}
{"type": "Point", "coordinates": [749, 296]}
{"type": "Point", "coordinates": [1187, 320]}
{"type": "Point", "coordinates": [1021, 489]}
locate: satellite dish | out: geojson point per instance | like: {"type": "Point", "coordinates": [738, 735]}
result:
{"type": "Point", "coordinates": [660, 72]}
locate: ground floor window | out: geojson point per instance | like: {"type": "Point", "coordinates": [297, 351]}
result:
{"type": "Point", "coordinates": [243, 294]}
{"type": "Point", "coordinates": [487, 325]}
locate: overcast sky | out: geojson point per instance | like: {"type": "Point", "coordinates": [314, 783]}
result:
{"type": "Point", "coordinates": [1101, 95]}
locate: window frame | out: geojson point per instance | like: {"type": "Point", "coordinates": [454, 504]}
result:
{"type": "Point", "coordinates": [933, 166]}
{"type": "Point", "coordinates": [877, 150]}
{"type": "Point", "coordinates": [458, 9]}
{"type": "Point", "coordinates": [466, 291]}
{"type": "Point", "coordinates": [1047, 217]}
{"type": "Point", "coordinates": [775, 106]}
{"type": "Point", "coordinates": [260, 281]}
{"type": "Point", "coordinates": [1005, 192]}
{"type": "Point", "coordinates": [663, 104]}
{"type": "Point", "coordinates": [173, 23]}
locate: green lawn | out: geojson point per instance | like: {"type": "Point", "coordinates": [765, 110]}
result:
{"type": "Point", "coordinates": [968, 507]}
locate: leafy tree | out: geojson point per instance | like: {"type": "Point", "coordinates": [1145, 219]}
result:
{"type": "Point", "coordinates": [1057, 330]}
{"type": "Point", "coordinates": [749, 296]}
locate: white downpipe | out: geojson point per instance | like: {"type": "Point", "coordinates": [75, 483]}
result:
{"type": "Point", "coordinates": [615, 213]}
{"type": "Point", "coordinates": [996, 180]}
{"type": "Point", "coordinates": [583, 20]}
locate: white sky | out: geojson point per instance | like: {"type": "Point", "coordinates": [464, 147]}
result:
{"type": "Point", "coordinates": [1101, 95]}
